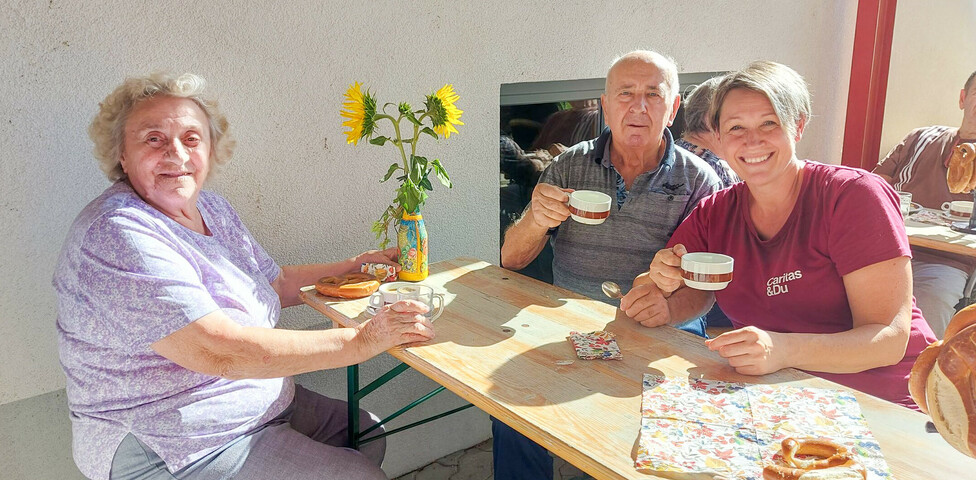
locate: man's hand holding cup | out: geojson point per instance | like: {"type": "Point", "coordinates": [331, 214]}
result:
{"type": "Point", "coordinates": [548, 207]}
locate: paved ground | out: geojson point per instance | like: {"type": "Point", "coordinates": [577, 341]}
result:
{"type": "Point", "coordinates": [475, 464]}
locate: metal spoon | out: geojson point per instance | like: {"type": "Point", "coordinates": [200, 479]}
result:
{"type": "Point", "coordinates": [611, 289]}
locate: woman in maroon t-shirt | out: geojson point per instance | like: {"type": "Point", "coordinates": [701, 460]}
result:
{"type": "Point", "coordinates": [811, 242]}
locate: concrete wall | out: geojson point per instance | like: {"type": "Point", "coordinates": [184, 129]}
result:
{"type": "Point", "coordinates": [933, 52]}
{"type": "Point", "coordinates": [279, 69]}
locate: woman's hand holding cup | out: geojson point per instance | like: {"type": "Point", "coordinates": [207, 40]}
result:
{"type": "Point", "coordinates": [665, 269]}
{"type": "Point", "coordinates": [396, 324]}
{"type": "Point", "coordinates": [548, 206]}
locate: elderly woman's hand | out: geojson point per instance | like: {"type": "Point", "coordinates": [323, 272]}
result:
{"type": "Point", "coordinates": [665, 269]}
{"type": "Point", "coordinates": [749, 350]}
{"type": "Point", "coordinates": [388, 256]}
{"type": "Point", "coordinates": [396, 324]}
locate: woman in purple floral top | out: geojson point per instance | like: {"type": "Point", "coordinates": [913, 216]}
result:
{"type": "Point", "coordinates": [166, 309]}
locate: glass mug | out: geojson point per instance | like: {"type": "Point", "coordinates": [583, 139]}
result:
{"type": "Point", "coordinates": [905, 202]}
{"type": "Point", "coordinates": [425, 295]}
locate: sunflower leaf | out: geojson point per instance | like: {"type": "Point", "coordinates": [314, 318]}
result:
{"type": "Point", "coordinates": [389, 173]}
{"type": "Point", "coordinates": [442, 174]}
{"type": "Point", "coordinates": [429, 131]}
{"type": "Point", "coordinates": [409, 116]}
{"type": "Point", "coordinates": [379, 140]}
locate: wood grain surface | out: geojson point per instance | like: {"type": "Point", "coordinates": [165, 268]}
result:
{"type": "Point", "coordinates": [501, 345]}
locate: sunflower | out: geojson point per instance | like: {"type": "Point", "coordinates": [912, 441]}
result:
{"type": "Point", "coordinates": [443, 113]}
{"type": "Point", "coordinates": [359, 110]}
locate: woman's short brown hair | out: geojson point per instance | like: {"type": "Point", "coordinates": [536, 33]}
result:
{"type": "Point", "coordinates": [786, 90]}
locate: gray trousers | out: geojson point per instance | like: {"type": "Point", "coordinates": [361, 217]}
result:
{"type": "Point", "coordinates": [937, 288]}
{"type": "Point", "coordinates": [307, 441]}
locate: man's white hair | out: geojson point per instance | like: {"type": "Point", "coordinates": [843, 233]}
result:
{"type": "Point", "coordinates": [664, 63]}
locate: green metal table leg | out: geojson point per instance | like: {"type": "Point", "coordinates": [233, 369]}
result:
{"type": "Point", "coordinates": [352, 396]}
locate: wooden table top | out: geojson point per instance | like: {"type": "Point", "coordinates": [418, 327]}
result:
{"type": "Point", "coordinates": [940, 237]}
{"type": "Point", "coordinates": [501, 344]}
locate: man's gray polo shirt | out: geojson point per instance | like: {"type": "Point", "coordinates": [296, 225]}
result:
{"type": "Point", "coordinates": [619, 249]}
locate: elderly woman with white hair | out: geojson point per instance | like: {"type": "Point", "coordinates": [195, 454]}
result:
{"type": "Point", "coordinates": [166, 309]}
{"type": "Point", "coordinates": [822, 278]}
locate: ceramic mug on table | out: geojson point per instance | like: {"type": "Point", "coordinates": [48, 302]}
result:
{"type": "Point", "coordinates": [960, 209]}
{"type": "Point", "coordinates": [589, 206]}
{"type": "Point", "coordinates": [423, 294]}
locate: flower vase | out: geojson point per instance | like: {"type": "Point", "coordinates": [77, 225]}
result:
{"type": "Point", "coordinates": [412, 242]}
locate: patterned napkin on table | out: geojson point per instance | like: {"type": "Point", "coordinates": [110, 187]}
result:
{"type": "Point", "coordinates": [595, 345]}
{"type": "Point", "coordinates": [734, 429]}
{"type": "Point", "coordinates": [926, 216]}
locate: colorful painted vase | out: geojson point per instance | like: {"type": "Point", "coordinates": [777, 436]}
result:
{"type": "Point", "coordinates": [412, 241]}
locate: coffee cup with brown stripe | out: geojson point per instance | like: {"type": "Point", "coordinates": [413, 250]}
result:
{"type": "Point", "coordinates": [706, 271]}
{"type": "Point", "coordinates": [589, 206]}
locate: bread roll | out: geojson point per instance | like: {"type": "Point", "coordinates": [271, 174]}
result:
{"type": "Point", "coordinates": [959, 176]}
{"type": "Point", "coordinates": [962, 319]}
{"type": "Point", "coordinates": [950, 388]}
{"type": "Point", "coordinates": [920, 374]}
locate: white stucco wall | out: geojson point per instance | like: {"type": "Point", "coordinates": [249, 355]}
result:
{"type": "Point", "coordinates": [279, 70]}
{"type": "Point", "coordinates": [933, 52]}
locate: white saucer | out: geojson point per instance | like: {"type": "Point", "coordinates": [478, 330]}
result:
{"type": "Point", "coordinates": [954, 218]}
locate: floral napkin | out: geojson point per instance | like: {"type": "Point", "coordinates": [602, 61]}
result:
{"type": "Point", "coordinates": [734, 429]}
{"type": "Point", "coordinates": [928, 216]}
{"type": "Point", "coordinates": [595, 345]}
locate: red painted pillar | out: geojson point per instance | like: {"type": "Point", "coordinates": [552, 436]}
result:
{"type": "Point", "coordinates": [869, 82]}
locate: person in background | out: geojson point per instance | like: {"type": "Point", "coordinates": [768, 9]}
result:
{"type": "Point", "coordinates": [919, 165]}
{"type": "Point", "coordinates": [167, 307]}
{"type": "Point", "coordinates": [811, 242]}
{"type": "Point", "coordinates": [698, 137]}
{"type": "Point", "coordinates": [653, 186]}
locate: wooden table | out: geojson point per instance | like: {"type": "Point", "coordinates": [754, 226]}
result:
{"type": "Point", "coordinates": [501, 344]}
{"type": "Point", "coordinates": [940, 237]}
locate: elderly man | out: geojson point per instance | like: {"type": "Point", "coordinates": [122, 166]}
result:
{"type": "Point", "coordinates": [653, 186]}
{"type": "Point", "coordinates": [918, 165]}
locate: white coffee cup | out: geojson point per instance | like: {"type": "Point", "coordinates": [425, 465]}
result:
{"type": "Point", "coordinates": [423, 294]}
{"type": "Point", "coordinates": [589, 207]}
{"type": "Point", "coordinates": [706, 271]}
{"type": "Point", "coordinates": [958, 208]}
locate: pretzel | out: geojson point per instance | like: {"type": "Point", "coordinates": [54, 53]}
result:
{"type": "Point", "coordinates": [834, 463]}
{"type": "Point", "coordinates": [350, 285]}
{"type": "Point", "coordinates": [960, 175]}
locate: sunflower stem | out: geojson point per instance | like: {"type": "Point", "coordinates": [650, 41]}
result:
{"type": "Point", "coordinates": [398, 141]}
{"type": "Point", "coordinates": [416, 133]}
